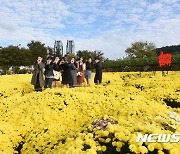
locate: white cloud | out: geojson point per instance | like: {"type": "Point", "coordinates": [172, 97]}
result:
{"type": "Point", "coordinates": [6, 26]}
{"type": "Point", "coordinates": [107, 25]}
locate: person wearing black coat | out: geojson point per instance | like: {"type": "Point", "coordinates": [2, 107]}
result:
{"type": "Point", "coordinates": [66, 72]}
{"type": "Point", "coordinates": [49, 75]}
{"type": "Point", "coordinates": [98, 75]}
{"type": "Point", "coordinates": [73, 70]}
{"type": "Point", "coordinates": [66, 79]}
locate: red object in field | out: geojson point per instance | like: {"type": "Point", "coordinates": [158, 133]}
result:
{"type": "Point", "coordinates": [164, 59]}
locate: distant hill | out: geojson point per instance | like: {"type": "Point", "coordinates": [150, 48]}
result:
{"type": "Point", "coordinates": [174, 49]}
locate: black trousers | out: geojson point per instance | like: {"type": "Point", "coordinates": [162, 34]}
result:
{"type": "Point", "coordinates": [48, 82]}
{"type": "Point", "coordinates": [37, 87]}
{"type": "Point", "coordinates": [98, 77]}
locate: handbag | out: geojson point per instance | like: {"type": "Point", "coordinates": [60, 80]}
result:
{"type": "Point", "coordinates": [56, 75]}
{"type": "Point", "coordinates": [79, 73]}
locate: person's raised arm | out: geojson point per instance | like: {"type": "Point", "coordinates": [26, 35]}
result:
{"type": "Point", "coordinates": [41, 66]}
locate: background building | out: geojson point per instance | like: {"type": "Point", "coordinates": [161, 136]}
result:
{"type": "Point", "coordinates": [58, 48]}
{"type": "Point", "coordinates": [70, 47]}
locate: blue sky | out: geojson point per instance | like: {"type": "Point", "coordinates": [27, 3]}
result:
{"type": "Point", "coordinates": [107, 25]}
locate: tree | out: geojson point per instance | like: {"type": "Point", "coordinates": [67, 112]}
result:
{"type": "Point", "coordinates": [141, 50]}
{"type": "Point", "coordinates": [38, 49]}
{"type": "Point", "coordinates": [15, 56]}
{"type": "Point", "coordinates": [69, 56]}
{"type": "Point", "coordinates": [58, 53]}
{"type": "Point", "coordinates": [173, 49]}
{"type": "Point", "coordinates": [25, 57]}
{"type": "Point", "coordinates": [85, 54]}
{"type": "Point", "coordinates": [99, 54]}
{"type": "Point", "coordinates": [9, 56]}
{"type": "Point", "coordinates": [50, 51]}
{"type": "Point", "coordinates": [93, 54]}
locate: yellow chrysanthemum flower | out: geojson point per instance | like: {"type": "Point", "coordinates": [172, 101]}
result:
{"type": "Point", "coordinates": [61, 120]}
{"type": "Point", "coordinates": [103, 148]}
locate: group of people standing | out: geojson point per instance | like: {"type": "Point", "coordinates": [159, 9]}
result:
{"type": "Point", "coordinates": [73, 72]}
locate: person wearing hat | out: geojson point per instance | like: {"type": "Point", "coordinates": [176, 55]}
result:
{"type": "Point", "coordinates": [49, 75]}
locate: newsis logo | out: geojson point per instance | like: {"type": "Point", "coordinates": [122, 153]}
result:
{"type": "Point", "coordinates": [160, 138]}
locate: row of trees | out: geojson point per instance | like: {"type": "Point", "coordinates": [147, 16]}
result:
{"type": "Point", "coordinates": [174, 49]}
{"type": "Point", "coordinates": [140, 56]}
{"type": "Point", "coordinates": [143, 56]}
{"type": "Point", "coordinates": [141, 50]}
{"type": "Point", "coordinates": [16, 56]}
{"type": "Point", "coordinates": [139, 64]}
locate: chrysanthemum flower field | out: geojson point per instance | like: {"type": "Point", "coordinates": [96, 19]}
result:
{"type": "Point", "coordinates": [101, 119]}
